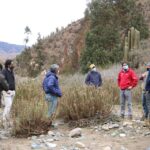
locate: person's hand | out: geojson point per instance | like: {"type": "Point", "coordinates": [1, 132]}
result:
{"type": "Point", "coordinates": [130, 87]}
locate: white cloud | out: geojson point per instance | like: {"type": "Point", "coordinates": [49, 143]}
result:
{"type": "Point", "coordinates": [42, 16]}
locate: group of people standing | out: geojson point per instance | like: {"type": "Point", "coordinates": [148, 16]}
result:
{"type": "Point", "coordinates": [127, 80]}
{"type": "Point", "coordinates": [7, 90]}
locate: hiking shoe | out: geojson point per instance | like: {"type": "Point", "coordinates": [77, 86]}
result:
{"type": "Point", "coordinates": [130, 117]}
{"type": "Point", "coordinates": [143, 118]}
{"type": "Point", "coordinates": [122, 116]}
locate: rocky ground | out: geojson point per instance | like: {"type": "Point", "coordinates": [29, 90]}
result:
{"type": "Point", "coordinates": [111, 135]}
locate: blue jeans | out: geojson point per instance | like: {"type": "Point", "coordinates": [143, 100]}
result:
{"type": "Point", "coordinates": [52, 103]}
{"type": "Point", "coordinates": [145, 108]}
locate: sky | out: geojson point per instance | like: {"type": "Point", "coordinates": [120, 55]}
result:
{"type": "Point", "coordinates": [42, 16]}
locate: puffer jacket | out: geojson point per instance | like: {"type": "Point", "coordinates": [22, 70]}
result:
{"type": "Point", "coordinates": [51, 85]}
{"type": "Point", "coordinates": [94, 78]}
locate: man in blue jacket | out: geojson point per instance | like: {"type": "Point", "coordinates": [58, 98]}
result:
{"type": "Point", "coordinates": [93, 77]}
{"type": "Point", "coordinates": [51, 88]}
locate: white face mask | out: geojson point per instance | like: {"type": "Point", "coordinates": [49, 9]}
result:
{"type": "Point", "coordinates": [126, 67]}
{"type": "Point", "coordinates": [94, 69]}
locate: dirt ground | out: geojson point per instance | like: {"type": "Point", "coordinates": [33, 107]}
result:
{"type": "Point", "coordinates": [93, 140]}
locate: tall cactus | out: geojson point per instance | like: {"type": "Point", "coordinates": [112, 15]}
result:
{"type": "Point", "coordinates": [126, 49]}
{"type": "Point", "coordinates": [132, 41]}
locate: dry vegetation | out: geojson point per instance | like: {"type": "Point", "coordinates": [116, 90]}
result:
{"type": "Point", "coordinates": [78, 102]}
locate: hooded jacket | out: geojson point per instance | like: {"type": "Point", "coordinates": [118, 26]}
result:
{"type": "Point", "coordinates": [126, 79]}
{"type": "Point", "coordinates": [51, 85]}
{"type": "Point", "coordinates": [93, 78]}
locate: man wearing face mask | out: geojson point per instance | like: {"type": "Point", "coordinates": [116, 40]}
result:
{"type": "Point", "coordinates": [127, 80]}
{"type": "Point", "coordinates": [93, 77]}
{"type": "Point", "coordinates": [10, 94]}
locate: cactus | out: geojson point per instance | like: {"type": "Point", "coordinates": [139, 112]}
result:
{"type": "Point", "coordinates": [132, 37]}
{"type": "Point", "coordinates": [132, 41]}
{"type": "Point", "coordinates": [126, 49]}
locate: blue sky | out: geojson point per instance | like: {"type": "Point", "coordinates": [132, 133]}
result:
{"type": "Point", "coordinates": [42, 16]}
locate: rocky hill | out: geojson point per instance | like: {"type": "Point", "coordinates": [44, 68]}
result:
{"type": "Point", "coordinates": [63, 46]}
{"type": "Point", "coordinates": [8, 50]}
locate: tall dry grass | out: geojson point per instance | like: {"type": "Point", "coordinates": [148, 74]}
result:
{"type": "Point", "coordinates": [29, 109]}
{"type": "Point", "coordinates": [79, 101]}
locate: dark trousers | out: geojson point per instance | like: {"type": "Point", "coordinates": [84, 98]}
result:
{"type": "Point", "coordinates": [148, 103]}
{"type": "Point", "coordinates": [145, 108]}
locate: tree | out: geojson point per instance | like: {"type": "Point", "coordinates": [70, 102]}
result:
{"type": "Point", "coordinates": [109, 18]}
{"type": "Point", "coordinates": [27, 33]}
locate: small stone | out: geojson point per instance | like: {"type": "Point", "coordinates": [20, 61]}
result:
{"type": "Point", "coordinates": [49, 140]}
{"type": "Point", "coordinates": [51, 145]}
{"type": "Point", "coordinates": [112, 126]}
{"type": "Point", "coordinates": [35, 146]}
{"type": "Point", "coordinates": [123, 148]}
{"type": "Point", "coordinates": [122, 135]}
{"type": "Point", "coordinates": [80, 145]}
{"type": "Point", "coordinates": [146, 134]}
{"type": "Point", "coordinates": [51, 133]}
{"type": "Point", "coordinates": [107, 148]}
{"type": "Point", "coordinates": [33, 137]}
{"type": "Point", "coordinates": [114, 134]}
{"type": "Point", "coordinates": [127, 123]}
{"type": "Point", "coordinates": [105, 127]}
{"type": "Point", "coordinates": [41, 136]}
{"type": "Point", "coordinates": [75, 132]}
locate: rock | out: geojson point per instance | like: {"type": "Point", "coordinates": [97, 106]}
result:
{"type": "Point", "coordinates": [114, 134]}
{"type": "Point", "coordinates": [33, 137]}
{"type": "Point", "coordinates": [105, 127]}
{"type": "Point", "coordinates": [75, 132]}
{"type": "Point", "coordinates": [35, 146]}
{"type": "Point", "coordinates": [107, 148]}
{"type": "Point", "coordinates": [51, 133]}
{"type": "Point", "coordinates": [123, 148]}
{"type": "Point", "coordinates": [80, 145]}
{"type": "Point", "coordinates": [122, 135]}
{"type": "Point", "coordinates": [127, 123]}
{"type": "Point", "coordinates": [49, 140]}
{"type": "Point", "coordinates": [112, 126]}
{"type": "Point", "coordinates": [41, 136]}
{"type": "Point", "coordinates": [146, 134]}
{"type": "Point", "coordinates": [51, 145]}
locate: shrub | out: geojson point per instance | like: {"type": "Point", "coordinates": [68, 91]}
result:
{"type": "Point", "coordinates": [81, 101]}
{"type": "Point", "coordinates": [29, 110]}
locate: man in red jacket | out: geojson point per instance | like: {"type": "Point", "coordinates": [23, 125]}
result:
{"type": "Point", "coordinates": [127, 80]}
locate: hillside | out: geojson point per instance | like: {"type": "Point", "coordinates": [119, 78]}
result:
{"type": "Point", "coordinates": [8, 50]}
{"type": "Point", "coordinates": [64, 47]}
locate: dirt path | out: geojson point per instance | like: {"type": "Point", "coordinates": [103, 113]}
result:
{"type": "Point", "coordinates": [92, 138]}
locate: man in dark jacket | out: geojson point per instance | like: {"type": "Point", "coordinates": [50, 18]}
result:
{"type": "Point", "coordinates": [9, 95]}
{"type": "Point", "coordinates": [147, 95]}
{"type": "Point", "coordinates": [51, 88]}
{"type": "Point", "coordinates": [3, 84]}
{"type": "Point", "coordinates": [93, 77]}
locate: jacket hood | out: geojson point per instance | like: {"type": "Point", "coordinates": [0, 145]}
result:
{"type": "Point", "coordinates": [51, 74]}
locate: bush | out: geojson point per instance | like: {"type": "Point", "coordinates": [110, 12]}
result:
{"type": "Point", "coordinates": [81, 101]}
{"type": "Point", "coordinates": [29, 110]}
